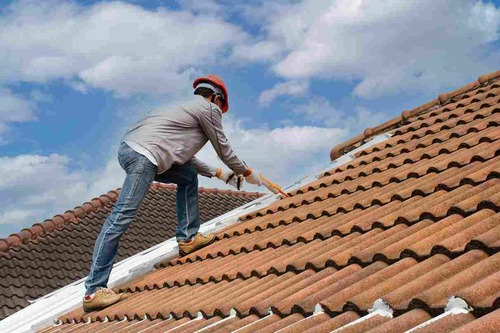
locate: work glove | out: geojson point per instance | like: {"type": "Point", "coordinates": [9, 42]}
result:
{"type": "Point", "coordinates": [253, 177]}
{"type": "Point", "coordinates": [229, 177]}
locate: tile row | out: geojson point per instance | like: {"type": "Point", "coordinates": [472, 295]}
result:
{"type": "Point", "coordinates": [409, 158]}
{"type": "Point", "coordinates": [483, 100]}
{"type": "Point", "coordinates": [461, 159]}
{"type": "Point", "coordinates": [455, 188]}
{"type": "Point", "coordinates": [405, 284]}
{"type": "Point", "coordinates": [439, 132]}
{"type": "Point", "coordinates": [410, 164]}
{"type": "Point", "coordinates": [450, 236]}
{"type": "Point", "coordinates": [417, 320]}
{"type": "Point", "coordinates": [492, 98]}
{"type": "Point", "coordinates": [449, 124]}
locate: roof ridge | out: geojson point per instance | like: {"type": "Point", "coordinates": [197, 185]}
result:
{"type": "Point", "coordinates": [72, 215]}
{"type": "Point", "coordinates": [441, 100]}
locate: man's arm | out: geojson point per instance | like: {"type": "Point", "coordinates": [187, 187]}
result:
{"type": "Point", "coordinates": [211, 122]}
{"type": "Point", "coordinates": [203, 168]}
{"type": "Point", "coordinates": [226, 176]}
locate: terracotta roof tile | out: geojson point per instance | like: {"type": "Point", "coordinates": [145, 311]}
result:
{"type": "Point", "coordinates": [365, 325]}
{"type": "Point", "coordinates": [446, 324]}
{"type": "Point", "coordinates": [489, 323]}
{"type": "Point", "coordinates": [53, 254]}
{"type": "Point", "coordinates": [331, 324]}
{"type": "Point", "coordinates": [410, 222]}
{"type": "Point", "coordinates": [474, 90]}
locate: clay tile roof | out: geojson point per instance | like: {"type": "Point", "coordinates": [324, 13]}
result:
{"type": "Point", "coordinates": [409, 228]}
{"type": "Point", "coordinates": [407, 116]}
{"type": "Point", "coordinates": [52, 254]}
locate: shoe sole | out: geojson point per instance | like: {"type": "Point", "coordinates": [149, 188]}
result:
{"type": "Point", "coordinates": [183, 254]}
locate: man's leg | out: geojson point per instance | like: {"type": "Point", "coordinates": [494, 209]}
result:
{"type": "Point", "coordinates": [139, 175]}
{"type": "Point", "coordinates": [188, 215]}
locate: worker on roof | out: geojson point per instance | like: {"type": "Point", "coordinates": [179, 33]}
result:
{"type": "Point", "coordinates": [161, 147]}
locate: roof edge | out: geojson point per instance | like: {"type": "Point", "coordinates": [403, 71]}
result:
{"type": "Point", "coordinates": [14, 240]}
{"type": "Point", "coordinates": [441, 100]}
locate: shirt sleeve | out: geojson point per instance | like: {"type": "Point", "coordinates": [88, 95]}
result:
{"type": "Point", "coordinates": [211, 123]}
{"type": "Point", "coordinates": [203, 168]}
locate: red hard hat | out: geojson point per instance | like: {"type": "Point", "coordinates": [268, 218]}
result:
{"type": "Point", "coordinates": [216, 81]}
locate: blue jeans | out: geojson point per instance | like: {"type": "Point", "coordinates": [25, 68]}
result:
{"type": "Point", "coordinates": [140, 173]}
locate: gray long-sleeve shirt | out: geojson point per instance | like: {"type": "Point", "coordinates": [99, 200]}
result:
{"type": "Point", "coordinates": [176, 134]}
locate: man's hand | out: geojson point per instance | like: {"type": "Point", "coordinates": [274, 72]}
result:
{"type": "Point", "coordinates": [254, 177]}
{"type": "Point", "coordinates": [229, 177]}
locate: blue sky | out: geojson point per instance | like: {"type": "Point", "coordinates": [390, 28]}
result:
{"type": "Point", "coordinates": [303, 76]}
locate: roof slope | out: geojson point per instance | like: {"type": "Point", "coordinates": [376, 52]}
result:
{"type": "Point", "coordinates": [59, 251]}
{"type": "Point", "coordinates": [380, 244]}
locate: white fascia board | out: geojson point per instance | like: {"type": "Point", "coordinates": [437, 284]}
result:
{"type": "Point", "coordinates": [45, 310]}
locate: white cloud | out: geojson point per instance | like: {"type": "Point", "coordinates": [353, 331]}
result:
{"type": "Point", "coordinates": [319, 110]}
{"type": "Point", "coordinates": [14, 108]}
{"type": "Point", "coordinates": [36, 187]}
{"type": "Point", "coordinates": [18, 217]}
{"type": "Point", "coordinates": [103, 180]}
{"type": "Point", "coordinates": [203, 7]}
{"type": "Point", "coordinates": [388, 46]}
{"type": "Point", "coordinates": [40, 97]}
{"type": "Point", "coordinates": [257, 51]}
{"type": "Point", "coordinates": [282, 25]}
{"type": "Point", "coordinates": [282, 154]}
{"type": "Point", "coordinates": [290, 88]}
{"type": "Point", "coordinates": [36, 173]}
{"type": "Point", "coordinates": [116, 46]}
{"type": "Point", "coordinates": [39, 186]}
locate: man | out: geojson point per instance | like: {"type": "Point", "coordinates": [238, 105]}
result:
{"type": "Point", "coordinates": [161, 147]}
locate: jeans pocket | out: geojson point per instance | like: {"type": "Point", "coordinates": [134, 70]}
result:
{"type": "Point", "coordinates": [129, 159]}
